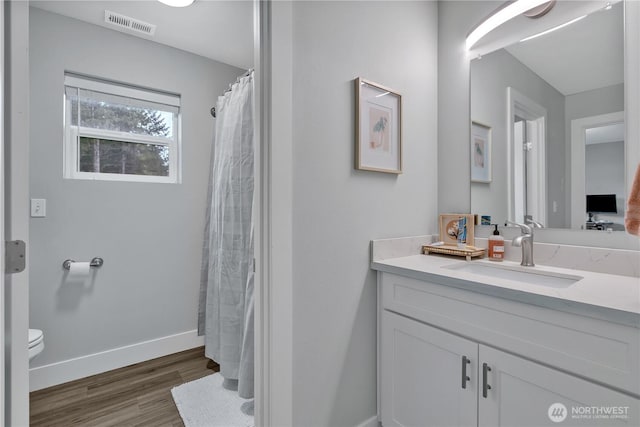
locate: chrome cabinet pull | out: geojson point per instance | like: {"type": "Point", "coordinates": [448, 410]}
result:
{"type": "Point", "coordinates": [485, 385]}
{"type": "Point", "coordinates": [465, 377]}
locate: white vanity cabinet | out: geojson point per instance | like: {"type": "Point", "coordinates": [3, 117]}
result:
{"type": "Point", "coordinates": [522, 391]}
{"type": "Point", "coordinates": [452, 357]}
{"type": "Point", "coordinates": [422, 373]}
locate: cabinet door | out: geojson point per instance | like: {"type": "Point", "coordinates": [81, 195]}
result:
{"type": "Point", "coordinates": [523, 393]}
{"type": "Point", "coordinates": [421, 373]}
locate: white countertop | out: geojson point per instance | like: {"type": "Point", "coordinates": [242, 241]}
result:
{"type": "Point", "coordinates": [604, 296]}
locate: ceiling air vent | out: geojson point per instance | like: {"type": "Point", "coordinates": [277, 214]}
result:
{"type": "Point", "coordinates": [129, 23]}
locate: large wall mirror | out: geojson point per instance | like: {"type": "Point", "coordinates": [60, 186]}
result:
{"type": "Point", "coordinates": [550, 115]}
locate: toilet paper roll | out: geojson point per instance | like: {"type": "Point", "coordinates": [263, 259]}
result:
{"type": "Point", "coordinates": [79, 270]}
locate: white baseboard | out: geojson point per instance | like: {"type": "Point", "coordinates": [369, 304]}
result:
{"type": "Point", "coordinates": [371, 422]}
{"type": "Point", "coordinates": [91, 364]}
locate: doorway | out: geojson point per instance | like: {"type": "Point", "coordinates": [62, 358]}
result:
{"type": "Point", "coordinates": [527, 162]}
{"type": "Point", "coordinates": [18, 402]}
{"type": "Point", "coordinates": [604, 133]}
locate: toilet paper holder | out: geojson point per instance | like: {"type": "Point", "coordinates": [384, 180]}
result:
{"type": "Point", "coordinates": [96, 262]}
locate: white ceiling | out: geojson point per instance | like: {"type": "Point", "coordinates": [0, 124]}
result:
{"type": "Point", "coordinates": [216, 29]}
{"type": "Point", "coordinates": [585, 55]}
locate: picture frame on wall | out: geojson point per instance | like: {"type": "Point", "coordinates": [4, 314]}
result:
{"type": "Point", "coordinates": [449, 228]}
{"type": "Point", "coordinates": [378, 128]}
{"type": "Point", "coordinates": [480, 152]}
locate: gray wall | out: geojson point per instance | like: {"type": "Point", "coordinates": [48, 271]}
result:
{"type": "Point", "coordinates": [605, 100]}
{"type": "Point", "coordinates": [148, 234]}
{"type": "Point", "coordinates": [490, 78]}
{"type": "Point", "coordinates": [338, 210]}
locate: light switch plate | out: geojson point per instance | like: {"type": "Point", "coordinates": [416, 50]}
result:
{"type": "Point", "coordinates": [38, 208]}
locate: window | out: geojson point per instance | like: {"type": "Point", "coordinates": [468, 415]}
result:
{"type": "Point", "coordinates": [120, 133]}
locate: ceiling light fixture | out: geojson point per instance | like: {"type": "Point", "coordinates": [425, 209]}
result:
{"type": "Point", "coordinates": [177, 3]}
{"type": "Point", "coordinates": [553, 29]}
{"type": "Point", "coordinates": [540, 11]}
{"type": "Point", "coordinates": [500, 17]}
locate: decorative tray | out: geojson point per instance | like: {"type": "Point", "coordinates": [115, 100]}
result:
{"type": "Point", "coordinates": [468, 252]}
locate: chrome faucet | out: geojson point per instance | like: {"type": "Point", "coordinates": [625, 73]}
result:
{"type": "Point", "coordinates": [528, 219]}
{"type": "Point", "coordinates": [526, 242]}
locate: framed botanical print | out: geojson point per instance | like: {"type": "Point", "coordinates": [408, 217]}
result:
{"type": "Point", "coordinates": [378, 128]}
{"type": "Point", "coordinates": [480, 153]}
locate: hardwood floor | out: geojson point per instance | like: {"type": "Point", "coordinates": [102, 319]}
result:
{"type": "Point", "coordinates": [136, 395]}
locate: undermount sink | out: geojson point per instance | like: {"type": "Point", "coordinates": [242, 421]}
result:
{"type": "Point", "coordinates": [531, 275]}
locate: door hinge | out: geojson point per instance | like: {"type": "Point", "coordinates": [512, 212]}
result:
{"type": "Point", "coordinates": [15, 254]}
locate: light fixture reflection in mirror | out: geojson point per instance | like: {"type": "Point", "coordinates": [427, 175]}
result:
{"type": "Point", "coordinates": [177, 3]}
{"type": "Point", "coordinates": [556, 79]}
{"type": "Point", "coordinates": [500, 17]}
{"type": "Point", "coordinates": [553, 29]}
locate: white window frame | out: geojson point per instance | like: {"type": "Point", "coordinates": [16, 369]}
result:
{"type": "Point", "coordinates": [72, 134]}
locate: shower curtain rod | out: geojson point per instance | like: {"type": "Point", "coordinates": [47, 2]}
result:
{"type": "Point", "coordinates": [245, 74]}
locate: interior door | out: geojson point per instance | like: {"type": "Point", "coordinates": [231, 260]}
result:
{"type": "Point", "coordinates": [519, 170]}
{"type": "Point", "coordinates": [2, 254]}
{"type": "Point", "coordinates": [528, 170]}
{"type": "Point", "coordinates": [15, 209]}
{"type": "Point", "coordinates": [536, 170]}
{"type": "Point", "coordinates": [523, 393]}
{"type": "Point", "coordinates": [422, 375]}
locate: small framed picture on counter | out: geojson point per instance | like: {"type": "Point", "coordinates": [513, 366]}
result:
{"type": "Point", "coordinates": [450, 228]}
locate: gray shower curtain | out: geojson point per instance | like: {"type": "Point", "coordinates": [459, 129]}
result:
{"type": "Point", "coordinates": [226, 290]}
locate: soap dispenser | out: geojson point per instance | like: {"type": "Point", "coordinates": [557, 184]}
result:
{"type": "Point", "coordinates": [496, 245]}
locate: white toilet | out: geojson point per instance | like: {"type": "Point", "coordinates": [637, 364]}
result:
{"type": "Point", "coordinates": [36, 343]}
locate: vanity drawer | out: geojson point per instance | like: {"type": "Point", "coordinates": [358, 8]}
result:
{"type": "Point", "coordinates": [598, 350]}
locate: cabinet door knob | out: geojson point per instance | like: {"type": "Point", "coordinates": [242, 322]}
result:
{"type": "Point", "coordinates": [465, 377]}
{"type": "Point", "coordinates": [485, 385]}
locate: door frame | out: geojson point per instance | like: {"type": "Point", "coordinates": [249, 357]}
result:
{"type": "Point", "coordinates": [578, 140]}
{"type": "Point", "coordinates": [274, 232]}
{"type": "Point", "coordinates": [528, 109]}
